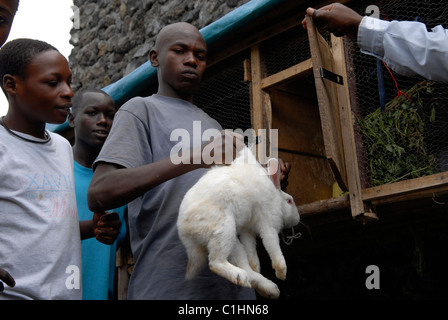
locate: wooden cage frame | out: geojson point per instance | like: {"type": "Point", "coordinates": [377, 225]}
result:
{"type": "Point", "coordinates": [328, 67]}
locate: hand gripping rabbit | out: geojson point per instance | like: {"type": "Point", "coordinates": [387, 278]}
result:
{"type": "Point", "coordinates": [224, 212]}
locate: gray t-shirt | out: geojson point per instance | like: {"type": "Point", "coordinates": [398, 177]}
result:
{"type": "Point", "coordinates": [142, 134]}
{"type": "Point", "coordinates": [40, 244]}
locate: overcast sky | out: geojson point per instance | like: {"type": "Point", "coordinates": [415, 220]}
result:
{"type": "Point", "coordinates": [47, 20]}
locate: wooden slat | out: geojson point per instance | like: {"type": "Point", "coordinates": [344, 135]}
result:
{"type": "Point", "coordinates": [324, 206]}
{"type": "Point", "coordinates": [348, 136]}
{"type": "Point", "coordinates": [328, 104]}
{"type": "Point", "coordinates": [258, 113]}
{"type": "Point", "coordinates": [408, 189]}
{"type": "Point", "coordinates": [301, 69]}
{"type": "Point", "coordinates": [430, 186]}
{"type": "Point", "coordinates": [256, 96]}
{"type": "Point", "coordinates": [268, 31]}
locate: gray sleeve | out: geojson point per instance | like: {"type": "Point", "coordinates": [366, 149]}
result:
{"type": "Point", "coordinates": [128, 143]}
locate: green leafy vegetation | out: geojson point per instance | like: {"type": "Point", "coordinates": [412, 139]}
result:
{"type": "Point", "coordinates": [395, 139]}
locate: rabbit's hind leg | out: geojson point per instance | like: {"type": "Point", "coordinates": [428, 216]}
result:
{"type": "Point", "coordinates": [197, 255]}
{"type": "Point", "coordinates": [230, 272]}
{"type": "Point", "coordinates": [264, 286]}
{"type": "Point", "coordinates": [249, 242]}
{"type": "Point", "coordinates": [220, 247]}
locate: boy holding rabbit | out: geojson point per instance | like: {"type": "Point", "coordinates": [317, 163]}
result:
{"type": "Point", "coordinates": [134, 167]}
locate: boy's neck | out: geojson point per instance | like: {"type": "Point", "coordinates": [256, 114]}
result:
{"type": "Point", "coordinates": [84, 156]}
{"type": "Point", "coordinates": [174, 94]}
{"type": "Point", "coordinates": [35, 129]}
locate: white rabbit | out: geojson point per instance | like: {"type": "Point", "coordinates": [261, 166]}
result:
{"type": "Point", "coordinates": [224, 212]}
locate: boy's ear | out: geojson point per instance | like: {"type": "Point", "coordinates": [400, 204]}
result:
{"type": "Point", "coordinates": [154, 58]}
{"type": "Point", "coordinates": [9, 83]}
{"type": "Point", "coordinates": [274, 172]}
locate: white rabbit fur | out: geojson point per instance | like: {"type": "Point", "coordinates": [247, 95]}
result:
{"type": "Point", "coordinates": [224, 212]}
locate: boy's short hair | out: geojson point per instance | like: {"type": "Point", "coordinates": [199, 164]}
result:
{"type": "Point", "coordinates": [78, 99]}
{"type": "Point", "coordinates": [16, 55]}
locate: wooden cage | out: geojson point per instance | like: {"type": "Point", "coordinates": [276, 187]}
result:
{"type": "Point", "coordinates": [309, 99]}
{"type": "Point", "coordinates": [310, 105]}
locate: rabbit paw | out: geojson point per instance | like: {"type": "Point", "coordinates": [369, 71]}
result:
{"type": "Point", "coordinates": [255, 265]}
{"type": "Point", "coordinates": [241, 278]}
{"type": "Point", "coordinates": [232, 273]}
{"type": "Point", "coordinates": [268, 289]}
{"type": "Point", "coordinates": [280, 270]}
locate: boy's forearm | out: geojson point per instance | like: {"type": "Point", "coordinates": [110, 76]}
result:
{"type": "Point", "coordinates": [112, 187]}
{"type": "Point", "coordinates": [86, 229]}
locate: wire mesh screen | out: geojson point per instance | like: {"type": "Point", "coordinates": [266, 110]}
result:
{"type": "Point", "coordinates": [401, 124]}
{"type": "Point", "coordinates": [406, 140]}
{"type": "Point", "coordinates": [224, 95]}
{"type": "Point", "coordinates": [284, 50]}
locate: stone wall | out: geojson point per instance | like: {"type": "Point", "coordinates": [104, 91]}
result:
{"type": "Point", "coordinates": [115, 36]}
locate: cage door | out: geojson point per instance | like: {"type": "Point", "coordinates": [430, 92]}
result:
{"type": "Point", "coordinates": [335, 112]}
{"type": "Point", "coordinates": [328, 102]}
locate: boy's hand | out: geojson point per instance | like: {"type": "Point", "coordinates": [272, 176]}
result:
{"type": "Point", "coordinates": [339, 19]}
{"type": "Point", "coordinates": [6, 278]}
{"type": "Point", "coordinates": [285, 168]}
{"type": "Point", "coordinates": [106, 227]}
{"type": "Point", "coordinates": [222, 148]}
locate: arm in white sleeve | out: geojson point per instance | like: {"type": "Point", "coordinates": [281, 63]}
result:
{"type": "Point", "coordinates": [406, 47]}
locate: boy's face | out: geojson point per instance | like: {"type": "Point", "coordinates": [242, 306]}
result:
{"type": "Point", "coordinates": [181, 57]}
{"type": "Point", "coordinates": [8, 10]}
{"type": "Point", "coordinates": [44, 93]}
{"type": "Point", "coordinates": [93, 120]}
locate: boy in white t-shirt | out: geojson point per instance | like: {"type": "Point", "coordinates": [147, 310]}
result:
{"type": "Point", "coordinates": [8, 8]}
{"type": "Point", "coordinates": [39, 230]}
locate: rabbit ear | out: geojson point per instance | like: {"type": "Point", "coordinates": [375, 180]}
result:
{"type": "Point", "coordinates": [274, 173]}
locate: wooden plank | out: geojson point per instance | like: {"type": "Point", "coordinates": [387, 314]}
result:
{"type": "Point", "coordinates": [324, 206]}
{"type": "Point", "coordinates": [431, 186]}
{"type": "Point", "coordinates": [408, 189]}
{"type": "Point", "coordinates": [258, 113]}
{"type": "Point", "coordinates": [300, 143]}
{"type": "Point", "coordinates": [301, 69]}
{"type": "Point", "coordinates": [310, 178]}
{"type": "Point", "coordinates": [121, 264]}
{"type": "Point", "coordinates": [270, 144]}
{"type": "Point", "coordinates": [256, 97]}
{"type": "Point", "coordinates": [247, 72]}
{"type": "Point", "coordinates": [328, 104]}
{"type": "Point", "coordinates": [298, 122]}
{"type": "Point", "coordinates": [348, 135]}
{"type": "Point", "coordinates": [258, 35]}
